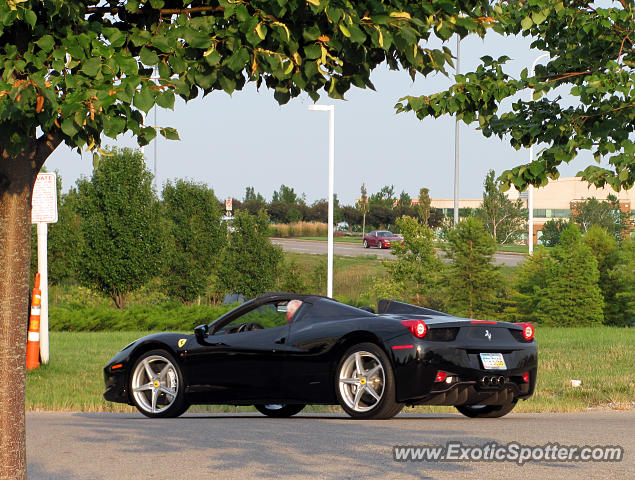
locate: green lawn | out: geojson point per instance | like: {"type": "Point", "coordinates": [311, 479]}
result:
{"type": "Point", "coordinates": [601, 357]}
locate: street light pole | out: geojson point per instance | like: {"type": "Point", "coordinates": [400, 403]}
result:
{"type": "Point", "coordinates": [530, 192]}
{"type": "Point", "coordinates": [331, 110]}
{"type": "Point", "coordinates": [456, 142]}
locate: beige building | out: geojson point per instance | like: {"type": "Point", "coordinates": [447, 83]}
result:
{"type": "Point", "coordinates": [555, 200]}
{"type": "Point", "coordinates": [552, 201]}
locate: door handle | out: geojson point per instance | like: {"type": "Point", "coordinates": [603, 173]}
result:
{"type": "Point", "coordinates": [280, 341]}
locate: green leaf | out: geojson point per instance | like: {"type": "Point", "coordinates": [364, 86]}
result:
{"type": "Point", "coordinates": [46, 43]}
{"type": "Point", "coordinates": [148, 57]}
{"type": "Point", "coordinates": [144, 99]}
{"type": "Point", "coordinates": [30, 17]}
{"type": "Point", "coordinates": [69, 127]}
{"type": "Point", "coordinates": [526, 23]}
{"type": "Point", "coordinates": [170, 133]}
{"type": "Point", "coordinates": [238, 60]}
{"type": "Point", "coordinates": [166, 99]}
{"type": "Point", "coordinates": [91, 66]}
{"type": "Point", "coordinates": [312, 52]}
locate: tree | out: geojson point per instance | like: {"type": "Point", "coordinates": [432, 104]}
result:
{"type": "Point", "coordinates": [612, 283]}
{"type": "Point", "coordinates": [250, 263]}
{"type": "Point", "coordinates": [381, 216]}
{"type": "Point", "coordinates": [74, 70]}
{"type": "Point", "coordinates": [561, 288]}
{"type": "Point", "coordinates": [385, 197]}
{"type": "Point", "coordinates": [196, 238]}
{"type": "Point", "coordinates": [252, 196]}
{"type": "Point", "coordinates": [472, 280]}
{"type": "Point", "coordinates": [351, 215]}
{"type": "Point", "coordinates": [423, 208]}
{"type": "Point", "coordinates": [503, 219]}
{"type": "Point", "coordinates": [415, 275]}
{"type": "Point", "coordinates": [604, 214]}
{"type": "Point", "coordinates": [551, 231]}
{"type": "Point", "coordinates": [591, 58]}
{"type": "Point", "coordinates": [122, 239]}
{"type": "Point", "coordinates": [362, 205]}
{"type": "Point", "coordinates": [621, 310]}
{"type": "Point", "coordinates": [286, 195]}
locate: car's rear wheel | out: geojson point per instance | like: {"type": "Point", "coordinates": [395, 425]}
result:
{"type": "Point", "coordinates": [365, 384]}
{"type": "Point", "coordinates": [366, 244]}
{"type": "Point", "coordinates": [156, 385]}
{"type": "Point", "coordinates": [486, 411]}
{"type": "Point", "coordinates": [279, 411]}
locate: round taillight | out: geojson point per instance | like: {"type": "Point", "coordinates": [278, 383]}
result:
{"type": "Point", "coordinates": [528, 331]}
{"type": "Point", "coordinates": [417, 327]}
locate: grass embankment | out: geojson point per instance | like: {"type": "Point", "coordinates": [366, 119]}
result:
{"type": "Point", "coordinates": [601, 357]}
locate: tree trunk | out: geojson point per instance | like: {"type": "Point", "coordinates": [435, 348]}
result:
{"type": "Point", "coordinates": [17, 175]}
{"type": "Point", "coordinates": [16, 181]}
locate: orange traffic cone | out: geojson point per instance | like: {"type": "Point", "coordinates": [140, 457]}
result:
{"type": "Point", "coordinates": [33, 343]}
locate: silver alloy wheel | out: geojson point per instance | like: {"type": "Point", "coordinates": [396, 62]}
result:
{"type": "Point", "coordinates": [362, 381]}
{"type": "Point", "coordinates": [155, 384]}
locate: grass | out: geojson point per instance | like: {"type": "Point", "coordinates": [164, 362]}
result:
{"type": "Point", "coordinates": [601, 357]}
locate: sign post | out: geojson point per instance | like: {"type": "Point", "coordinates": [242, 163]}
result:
{"type": "Point", "coordinates": [43, 212]}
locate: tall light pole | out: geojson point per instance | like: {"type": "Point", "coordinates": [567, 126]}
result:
{"type": "Point", "coordinates": [456, 142]}
{"type": "Point", "coordinates": [530, 192]}
{"type": "Point", "coordinates": [329, 273]}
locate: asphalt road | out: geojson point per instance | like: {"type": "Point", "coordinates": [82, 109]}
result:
{"type": "Point", "coordinates": [70, 446]}
{"type": "Point", "coordinates": [355, 250]}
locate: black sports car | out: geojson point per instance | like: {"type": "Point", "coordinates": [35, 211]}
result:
{"type": "Point", "coordinates": [282, 351]}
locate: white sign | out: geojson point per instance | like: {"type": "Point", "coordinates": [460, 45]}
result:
{"type": "Point", "coordinates": [228, 204]}
{"type": "Point", "coordinates": [44, 201]}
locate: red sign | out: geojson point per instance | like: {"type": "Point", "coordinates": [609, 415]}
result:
{"type": "Point", "coordinates": [44, 201]}
{"type": "Point", "coordinates": [228, 204]}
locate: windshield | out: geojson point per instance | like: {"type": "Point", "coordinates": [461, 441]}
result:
{"type": "Point", "coordinates": [385, 234]}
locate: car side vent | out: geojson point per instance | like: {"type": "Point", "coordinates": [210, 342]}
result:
{"type": "Point", "coordinates": [518, 335]}
{"type": "Point", "coordinates": [442, 334]}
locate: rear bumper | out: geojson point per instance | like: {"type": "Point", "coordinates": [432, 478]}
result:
{"type": "Point", "coordinates": [416, 369]}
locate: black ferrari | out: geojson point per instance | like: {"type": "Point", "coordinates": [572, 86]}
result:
{"type": "Point", "coordinates": [282, 351]}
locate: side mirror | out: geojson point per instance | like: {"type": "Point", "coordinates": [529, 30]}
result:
{"type": "Point", "coordinates": [201, 332]}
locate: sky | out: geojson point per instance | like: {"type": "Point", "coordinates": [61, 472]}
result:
{"type": "Point", "coordinates": [247, 139]}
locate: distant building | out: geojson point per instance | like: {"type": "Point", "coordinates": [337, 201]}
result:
{"type": "Point", "coordinates": [553, 201]}
{"type": "Point", "coordinates": [559, 197]}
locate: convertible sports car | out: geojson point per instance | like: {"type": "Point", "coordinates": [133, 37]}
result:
{"type": "Point", "coordinates": [324, 352]}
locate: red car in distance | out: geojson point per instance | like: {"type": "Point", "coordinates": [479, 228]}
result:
{"type": "Point", "coordinates": [381, 239]}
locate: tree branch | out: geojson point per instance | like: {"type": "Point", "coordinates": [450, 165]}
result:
{"type": "Point", "coordinates": [44, 146]}
{"type": "Point", "coordinates": [162, 11]}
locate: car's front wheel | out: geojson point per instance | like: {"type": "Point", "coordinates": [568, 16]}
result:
{"type": "Point", "coordinates": [365, 384]}
{"type": "Point", "coordinates": [486, 411]}
{"type": "Point", "coordinates": [156, 385]}
{"type": "Point", "coordinates": [366, 244]}
{"type": "Point", "coordinates": [279, 411]}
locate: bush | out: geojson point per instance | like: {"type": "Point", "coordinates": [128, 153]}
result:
{"type": "Point", "coordinates": [168, 316]}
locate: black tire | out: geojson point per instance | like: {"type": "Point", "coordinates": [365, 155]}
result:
{"type": "Point", "coordinates": [176, 404]}
{"type": "Point", "coordinates": [279, 411]}
{"type": "Point", "coordinates": [366, 244]}
{"type": "Point", "coordinates": [384, 408]}
{"type": "Point", "coordinates": [486, 411]}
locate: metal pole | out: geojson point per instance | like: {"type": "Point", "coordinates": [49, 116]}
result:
{"type": "Point", "coordinates": [456, 142]}
{"type": "Point", "coordinates": [329, 284]}
{"type": "Point", "coordinates": [156, 139]}
{"type": "Point", "coordinates": [329, 268]}
{"type": "Point", "coordinates": [530, 191]}
{"type": "Point", "coordinates": [42, 266]}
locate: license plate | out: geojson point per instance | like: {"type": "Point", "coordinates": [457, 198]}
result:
{"type": "Point", "coordinates": [493, 361]}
